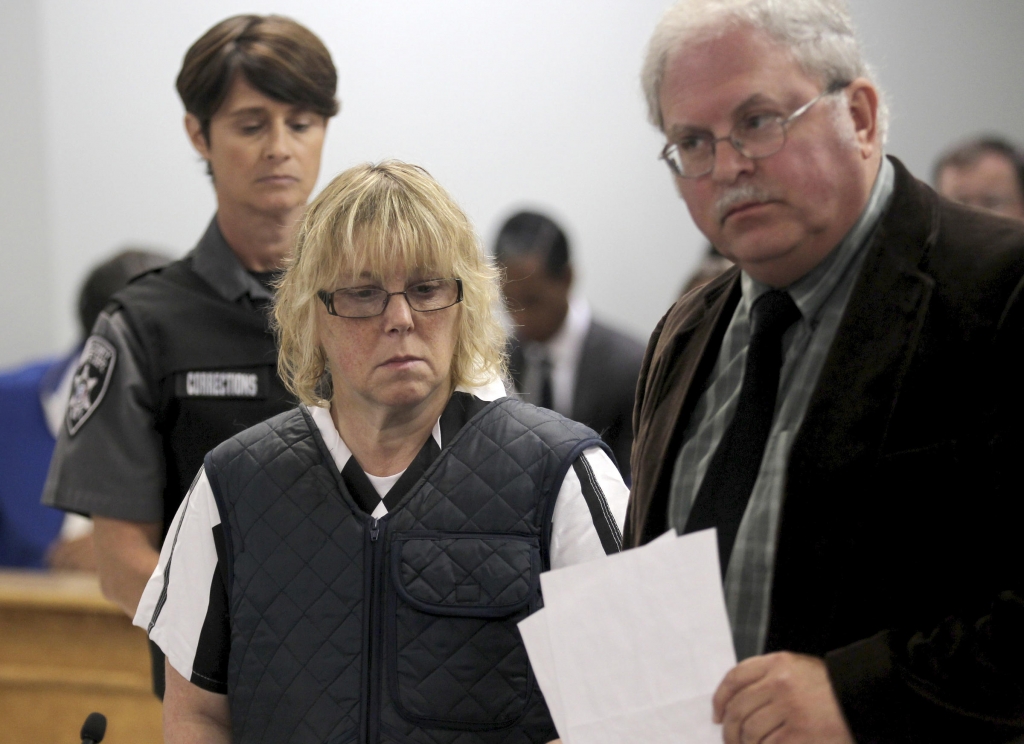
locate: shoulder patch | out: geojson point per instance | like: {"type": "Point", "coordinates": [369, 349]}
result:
{"type": "Point", "coordinates": [89, 385]}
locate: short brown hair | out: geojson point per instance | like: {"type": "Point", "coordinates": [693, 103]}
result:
{"type": "Point", "coordinates": [375, 217]}
{"type": "Point", "coordinates": [966, 154]}
{"type": "Point", "coordinates": [279, 57]}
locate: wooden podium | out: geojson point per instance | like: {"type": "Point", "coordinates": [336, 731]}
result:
{"type": "Point", "coordinates": [65, 651]}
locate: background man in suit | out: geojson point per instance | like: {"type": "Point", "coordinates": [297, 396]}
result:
{"type": "Point", "coordinates": [843, 406]}
{"type": "Point", "coordinates": [987, 173]}
{"type": "Point", "coordinates": [561, 358]}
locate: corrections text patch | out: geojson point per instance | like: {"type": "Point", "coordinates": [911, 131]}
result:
{"type": "Point", "coordinates": [223, 383]}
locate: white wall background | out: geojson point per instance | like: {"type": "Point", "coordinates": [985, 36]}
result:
{"type": "Point", "coordinates": [507, 102]}
{"type": "Point", "coordinates": [27, 315]}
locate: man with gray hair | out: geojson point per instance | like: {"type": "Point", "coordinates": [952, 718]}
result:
{"type": "Point", "coordinates": [842, 404]}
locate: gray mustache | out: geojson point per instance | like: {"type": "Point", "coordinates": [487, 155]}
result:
{"type": "Point", "coordinates": [748, 192]}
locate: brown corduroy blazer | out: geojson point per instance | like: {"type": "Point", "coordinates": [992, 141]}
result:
{"type": "Point", "coordinates": [900, 555]}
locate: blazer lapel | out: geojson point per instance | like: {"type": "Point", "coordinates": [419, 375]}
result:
{"type": "Point", "coordinates": [589, 394]}
{"type": "Point", "coordinates": [849, 410]}
{"type": "Point", "coordinates": [848, 415]}
{"type": "Point", "coordinates": [691, 347]}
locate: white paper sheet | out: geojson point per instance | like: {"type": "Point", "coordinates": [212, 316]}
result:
{"type": "Point", "coordinates": [632, 647]}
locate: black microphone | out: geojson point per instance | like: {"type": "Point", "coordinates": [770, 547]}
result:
{"type": "Point", "coordinates": [94, 728]}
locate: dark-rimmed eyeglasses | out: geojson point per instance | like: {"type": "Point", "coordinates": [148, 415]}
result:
{"type": "Point", "coordinates": [755, 136]}
{"type": "Point", "coordinates": [367, 302]}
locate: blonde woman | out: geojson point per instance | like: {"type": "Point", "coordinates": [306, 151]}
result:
{"type": "Point", "coordinates": [353, 570]}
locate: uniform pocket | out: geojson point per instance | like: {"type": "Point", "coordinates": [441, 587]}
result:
{"type": "Point", "coordinates": [456, 658]}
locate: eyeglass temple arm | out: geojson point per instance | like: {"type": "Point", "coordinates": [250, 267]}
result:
{"type": "Point", "coordinates": [328, 299]}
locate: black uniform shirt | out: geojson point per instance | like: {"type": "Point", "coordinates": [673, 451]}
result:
{"type": "Point", "coordinates": [109, 460]}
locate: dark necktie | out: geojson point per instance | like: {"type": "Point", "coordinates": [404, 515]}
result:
{"type": "Point", "coordinates": [732, 472]}
{"type": "Point", "coordinates": [547, 397]}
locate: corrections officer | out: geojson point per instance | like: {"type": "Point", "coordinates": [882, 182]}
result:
{"type": "Point", "coordinates": [184, 357]}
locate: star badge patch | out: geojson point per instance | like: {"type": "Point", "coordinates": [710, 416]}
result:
{"type": "Point", "coordinates": [89, 385]}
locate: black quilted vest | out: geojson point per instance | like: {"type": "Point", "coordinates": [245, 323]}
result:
{"type": "Point", "coordinates": [197, 347]}
{"type": "Point", "coordinates": [400, 630]}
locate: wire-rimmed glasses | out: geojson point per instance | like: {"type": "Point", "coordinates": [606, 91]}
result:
{"type": "Point", "coordinates": [754, 136]}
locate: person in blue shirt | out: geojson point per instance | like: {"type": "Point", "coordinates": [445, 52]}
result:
{"type": "Point", "coordinates": [33, 398]}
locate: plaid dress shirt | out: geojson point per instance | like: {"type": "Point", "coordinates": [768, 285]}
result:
{"type": "Point", "coordinates": [821, 297]}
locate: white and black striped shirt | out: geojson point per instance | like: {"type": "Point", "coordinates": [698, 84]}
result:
{"type": "Point", "coordinates": [191, 624]}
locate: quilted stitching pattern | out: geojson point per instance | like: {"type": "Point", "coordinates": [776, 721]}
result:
{"type": "Point", "coordinates": [300, 570]}
{"type": "Point", "coordinates": [466, 572]}
{"type": "Point", "coordinates": [488, 484]}
{"type": "Point", "coordinates": [297, 610]}
{"type": "Point", "coordinates": [439, 674]}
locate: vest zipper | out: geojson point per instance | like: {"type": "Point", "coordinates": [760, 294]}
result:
{"type": "Point", "coordinates": [375, 635]}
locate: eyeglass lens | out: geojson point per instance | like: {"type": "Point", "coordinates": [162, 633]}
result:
{"type": "Point", "coordinates": [754, 137]}
{"type": "Point", "coordinates": [365, 302]}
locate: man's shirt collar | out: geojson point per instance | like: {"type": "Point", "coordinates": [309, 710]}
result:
{"type": "Point", "coordinates": [213, 259]}
{"type": "Point", "coordinates": [565, 346]}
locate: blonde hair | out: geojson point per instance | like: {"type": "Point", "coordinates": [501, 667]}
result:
{"type": "Point", "coordinates": [373, 218]}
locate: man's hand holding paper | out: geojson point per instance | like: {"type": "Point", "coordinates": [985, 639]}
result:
{"type": "Point", "coordinates": [779, 698]}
